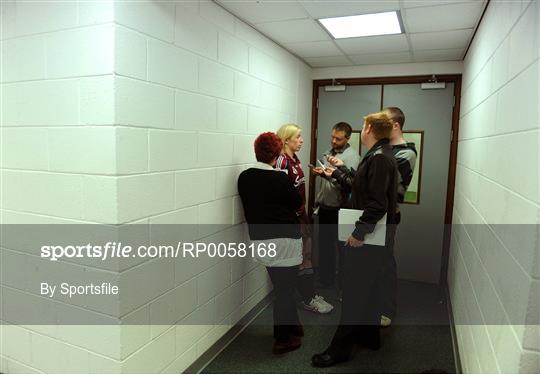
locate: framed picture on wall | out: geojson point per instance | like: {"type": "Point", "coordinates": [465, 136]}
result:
{"type": "Point", "coordinates": [355, 141]}
{"type": "Point", "coordinates": [412, 196]}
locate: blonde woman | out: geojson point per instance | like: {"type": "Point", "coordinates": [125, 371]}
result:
{"type": "Point", "coordinates": [291, 136]}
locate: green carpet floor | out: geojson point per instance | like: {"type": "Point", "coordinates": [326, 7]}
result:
{"type": "Point", "coordinates": [419, 340]}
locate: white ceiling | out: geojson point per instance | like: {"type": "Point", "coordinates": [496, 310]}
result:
{"type": "Point", "coordinates": [434, 30]}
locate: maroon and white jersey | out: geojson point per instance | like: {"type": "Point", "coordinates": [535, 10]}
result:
{"type": "Point", "coordinates": [293, 168]}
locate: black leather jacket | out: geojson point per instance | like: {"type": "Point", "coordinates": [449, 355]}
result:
{"type": "Point", "coordinates": [373, 187]}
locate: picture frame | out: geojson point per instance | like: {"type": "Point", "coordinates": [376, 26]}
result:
{"type": "Point", "coordinates": [355, 141]}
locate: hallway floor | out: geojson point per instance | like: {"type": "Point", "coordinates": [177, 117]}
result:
{"type": "Point", "coordinates": [419, 340]}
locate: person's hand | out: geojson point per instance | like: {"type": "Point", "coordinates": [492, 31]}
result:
{"type": "Point", "coordinates": [328, 171]}
{"type": "Point", "coordinates": [353, 242]}
{"type": "Point", "coordinates": [317, 171]}
{"type": "Point", "coordinates": [335, 161]}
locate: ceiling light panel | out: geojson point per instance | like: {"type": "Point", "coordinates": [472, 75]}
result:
{"type": "Point", "coordinates": [386, 23]}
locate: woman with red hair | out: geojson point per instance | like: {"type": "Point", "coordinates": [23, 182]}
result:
{"type": "Point", "coordinates": [270, 203]}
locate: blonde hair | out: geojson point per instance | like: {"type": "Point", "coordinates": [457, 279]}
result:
{"type": "Point", "coordinates": [381, 124]}
{"type": "Point", "coordinates": [287, 131]}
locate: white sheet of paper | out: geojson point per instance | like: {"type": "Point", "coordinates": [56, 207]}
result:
{"type": "Point", "coordinates": [347, 220]}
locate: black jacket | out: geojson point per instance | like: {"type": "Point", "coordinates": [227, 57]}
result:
{"type": "Point", "coordinates": [373, 187]}
{"type": "Point", "coordinates": [270, 203]}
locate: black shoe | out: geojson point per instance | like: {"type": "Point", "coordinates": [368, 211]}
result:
{"type": "Point", "coordinates": [281, 347]}
{"type": "Point", "coordinates": [327, 359]}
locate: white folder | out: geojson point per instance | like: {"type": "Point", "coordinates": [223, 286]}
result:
{"type": "Point", "coordinates": [347, 220]}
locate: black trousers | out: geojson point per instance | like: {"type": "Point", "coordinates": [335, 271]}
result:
{"type": "Point", "coordinates": [328, 235]}
{"type": "Point", "coordinates": [389, 278]}
{"type": "Point", "coordinates": [361, 306]}
{"type": "Point", "coordinates": [285, 312]}
{"type": "Point", "coordinates": [305, 284]}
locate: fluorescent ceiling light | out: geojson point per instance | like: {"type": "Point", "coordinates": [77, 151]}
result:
{"type": "Point", "coordinates": [362, 25]}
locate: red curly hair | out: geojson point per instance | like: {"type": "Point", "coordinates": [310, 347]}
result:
{"type": "Point", "coordinates": [267, 146]}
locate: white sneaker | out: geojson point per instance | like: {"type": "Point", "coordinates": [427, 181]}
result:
{"type": "Point", "coordinates": [318, 305]}
{"type": "Point", "coordinates": [385, 321]}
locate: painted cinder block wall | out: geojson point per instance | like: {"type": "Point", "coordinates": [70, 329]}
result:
{"type": "Point", "coordinates": [58, 164]}
{"type": "Point", "coordinates": [494, 264]}
{"type": "Point", "coordinates": [132, 112]}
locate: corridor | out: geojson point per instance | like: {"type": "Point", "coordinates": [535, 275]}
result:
{"type": "Point", "coordinates": [419, 340]}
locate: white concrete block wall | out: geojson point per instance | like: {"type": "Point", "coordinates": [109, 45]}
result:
{"type": "Point", "coordinates": [494, 265]}
{"type": "Point", "coordinates": [57, 162]}
{"type": "Point", "coordinates": [212, 84]}
{"type": "Point", "coordinates": [137, 112]}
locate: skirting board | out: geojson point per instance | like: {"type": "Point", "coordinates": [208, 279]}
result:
{"type": "Point", "coordinates": [453, 333]}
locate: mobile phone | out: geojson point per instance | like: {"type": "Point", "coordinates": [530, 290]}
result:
{"type": "Point", "coordinates": [310, 166]}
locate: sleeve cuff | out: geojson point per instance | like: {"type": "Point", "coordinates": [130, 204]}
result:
{"type": "Point", "coordinates": [358, 234]}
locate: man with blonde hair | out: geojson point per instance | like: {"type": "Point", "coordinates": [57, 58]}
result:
{"type": "Point", "coordinates": [374, 191]}
{"type": "Point", "coordinates": [405, 155]}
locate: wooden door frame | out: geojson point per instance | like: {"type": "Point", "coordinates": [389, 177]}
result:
{"type": "Point", "coordinates": [450, 188]}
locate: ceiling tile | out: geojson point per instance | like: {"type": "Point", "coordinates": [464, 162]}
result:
{"type": "Point", "coordinates": [313, 49]}
{"type": "Point", "coordinates": [381, 58]}
{"type": "Point", "coordinates": [265, 11]}
{"type": "Point", "coordinates": [441, 40]}
{"type": "Point", "coordinates": [294, 31]}
{"type": "Point", "coordinates": [439, 55]}
{"type": "Point", "coordinates": [423, 3]}
{"type": "Point", "coordinates": [373, 44]}
{"type": "Point", "coordinates": [435, 18]}
{"type": "Point", "coordinates": [324, 9]}
{"type": "Point", "coordinates": [319, 62]}
{"type": "Point", "coordinates": [437, 30]}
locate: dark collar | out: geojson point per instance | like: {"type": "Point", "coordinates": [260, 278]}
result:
{"type": "Point", "coordinates": [376, 146]}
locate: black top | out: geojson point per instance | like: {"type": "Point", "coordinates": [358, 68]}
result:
{"type": "Point", "coordinates": [405, 155]}
{"type": "Point", "coordinates": [270, 203]}
{"type": "Point", "coordinates": [373, 186]}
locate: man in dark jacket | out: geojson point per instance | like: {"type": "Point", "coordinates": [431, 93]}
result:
{"type": "Point", "coordinates": [374, 190]}
{"type": "Point", "coordinates": [405, 155]}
